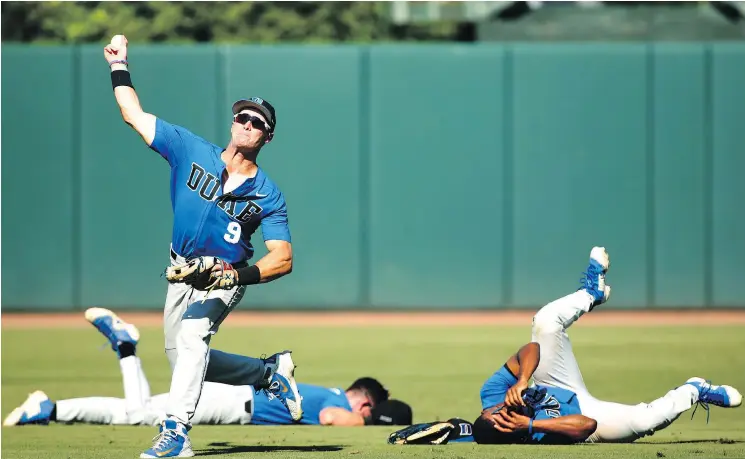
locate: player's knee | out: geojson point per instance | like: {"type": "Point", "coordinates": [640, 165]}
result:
{"type": "Point", "coordinates": [544, 323]}
{"type": "Point", "coordinates": [171, 334]}
{"type": "Point", "coordinates": [172, 355]}
{"type": "Point", "coordinates": [193, 331]}
{"type": "Point", "coordinates": [170, 342]}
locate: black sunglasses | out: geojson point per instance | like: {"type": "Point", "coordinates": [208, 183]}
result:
{"type": "Point", "coordinates": [258, 123]}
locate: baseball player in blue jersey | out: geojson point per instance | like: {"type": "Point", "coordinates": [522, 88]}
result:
{"type": "Point", "coordinates": [557, 407]}
{"type": "Point", "coordinates": [364, 402]}
{"type": "Point", "coordinates": [220, 196]}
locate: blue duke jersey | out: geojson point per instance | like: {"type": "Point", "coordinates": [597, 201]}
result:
{"type": "Point", "coordinates": [315, 399]}
{"type": "Point", "coordinates": [555, 403]}
{"type": "Point", "coordinates": [207, 221]}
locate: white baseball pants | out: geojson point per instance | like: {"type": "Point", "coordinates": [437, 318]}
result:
{"type": "Point", "coordinates": [219, 403]}
{"type": "Point", "coordinates": [558, 367]}
{"type": "Point", "coordinates": [190, 319]}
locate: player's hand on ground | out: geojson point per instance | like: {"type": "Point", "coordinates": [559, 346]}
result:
{"type": "Point", "coordinates": [514, 395]}
{"type": "Point", "coordinates": [508, 421]}
{"type": "Point", "coordinates": [116, 50]}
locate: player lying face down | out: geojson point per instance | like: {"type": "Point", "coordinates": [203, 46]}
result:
{"type": "Point", "coordinates": [365, 402]}
{"type": "Point", "coordinates": [220, 405]}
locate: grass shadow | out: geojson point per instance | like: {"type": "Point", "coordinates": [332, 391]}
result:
{"type": "Point", "coordinates": [721, 441]}
{"type": "Point", "coordinates": [228, 448]}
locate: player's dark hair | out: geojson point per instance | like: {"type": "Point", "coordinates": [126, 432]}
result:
{"type": "Point", "coordinates": [372, 386]}
{"type": "Point", "coordinates": [484, 433]}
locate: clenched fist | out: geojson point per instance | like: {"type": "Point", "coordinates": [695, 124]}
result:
{"type": "Point", "coordinates": [116, 50]}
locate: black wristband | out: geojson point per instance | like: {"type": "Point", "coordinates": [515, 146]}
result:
{"type": "Point", "coordinates": [249, 275]}
{"type": "Point", "coordinates": [121, 78]}
{"type": "Point", "coordinates": [369, 421]}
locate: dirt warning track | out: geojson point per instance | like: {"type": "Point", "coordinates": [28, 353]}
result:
{"type": "Point", "coordinates": [409, 318]}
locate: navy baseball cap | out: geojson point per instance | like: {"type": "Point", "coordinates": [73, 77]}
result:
{"type": "Point", "coordinates": [392, 413]}
{"type": "Point", "coordinates": [260, 105]}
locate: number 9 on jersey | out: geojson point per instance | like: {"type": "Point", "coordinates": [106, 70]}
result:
{"type": "Point", "coordinates": [234, 233]}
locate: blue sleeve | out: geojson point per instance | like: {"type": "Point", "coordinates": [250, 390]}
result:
{"type": "Point", "coordinates": [170, 141]}
{"type": "Point", "coordinates": [539, 437]}
{"type": "Point", "coordinates": [495, 388]}
{"type": "Point", "coordinates": [549, 439]}
{"type": "Point", "coordinates": [274, 226]}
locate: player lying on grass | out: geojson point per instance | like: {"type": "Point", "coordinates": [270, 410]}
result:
{"type": "Point", "coordinates": [558, 408]}
{"type": "Point", "coordinates": [365, 402]}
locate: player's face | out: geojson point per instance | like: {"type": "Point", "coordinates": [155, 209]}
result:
{"type": "Point", "coordinates": [363, 406]}
{"type": "Point", "coordinates": [249, 129]}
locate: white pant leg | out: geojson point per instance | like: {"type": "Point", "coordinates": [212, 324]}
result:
{"type": "Point", "coordinates": [136, 387]}
{"type": "Point", "coordinates": [155, 411]}
{"type": "Point", "coordinates": [558, 367]}
{"type": "Point", "coordinates": [177, 300]}
{"type": "Point", "coordinates": [619, 423]}
{"type": "Point", "coordinates": [223, 404]}
{"type": "Point", "coordinates": [111, 411]}
{"type": "Point", "coordinates": [94, 410]}
{"type": "Point", "coordinates": [133, 409]}
{"type": "Point", "coordinates": [191, 317]}
{"type": "Point", "coordinates": [219, 404]}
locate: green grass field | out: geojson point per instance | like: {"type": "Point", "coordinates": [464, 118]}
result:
{"type": "Point", "coordinates": [438, 370]}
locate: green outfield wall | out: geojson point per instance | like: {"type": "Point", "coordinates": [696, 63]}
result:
{"type": "Point", "coordinates": [442, 176]}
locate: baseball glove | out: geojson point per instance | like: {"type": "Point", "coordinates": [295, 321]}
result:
{"type": "Point", "coordinates": [203, 273]}
{"type": "Point", "coordinates": [434, 433]}
{"type": "Point", "coordinates": [428, 433]}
